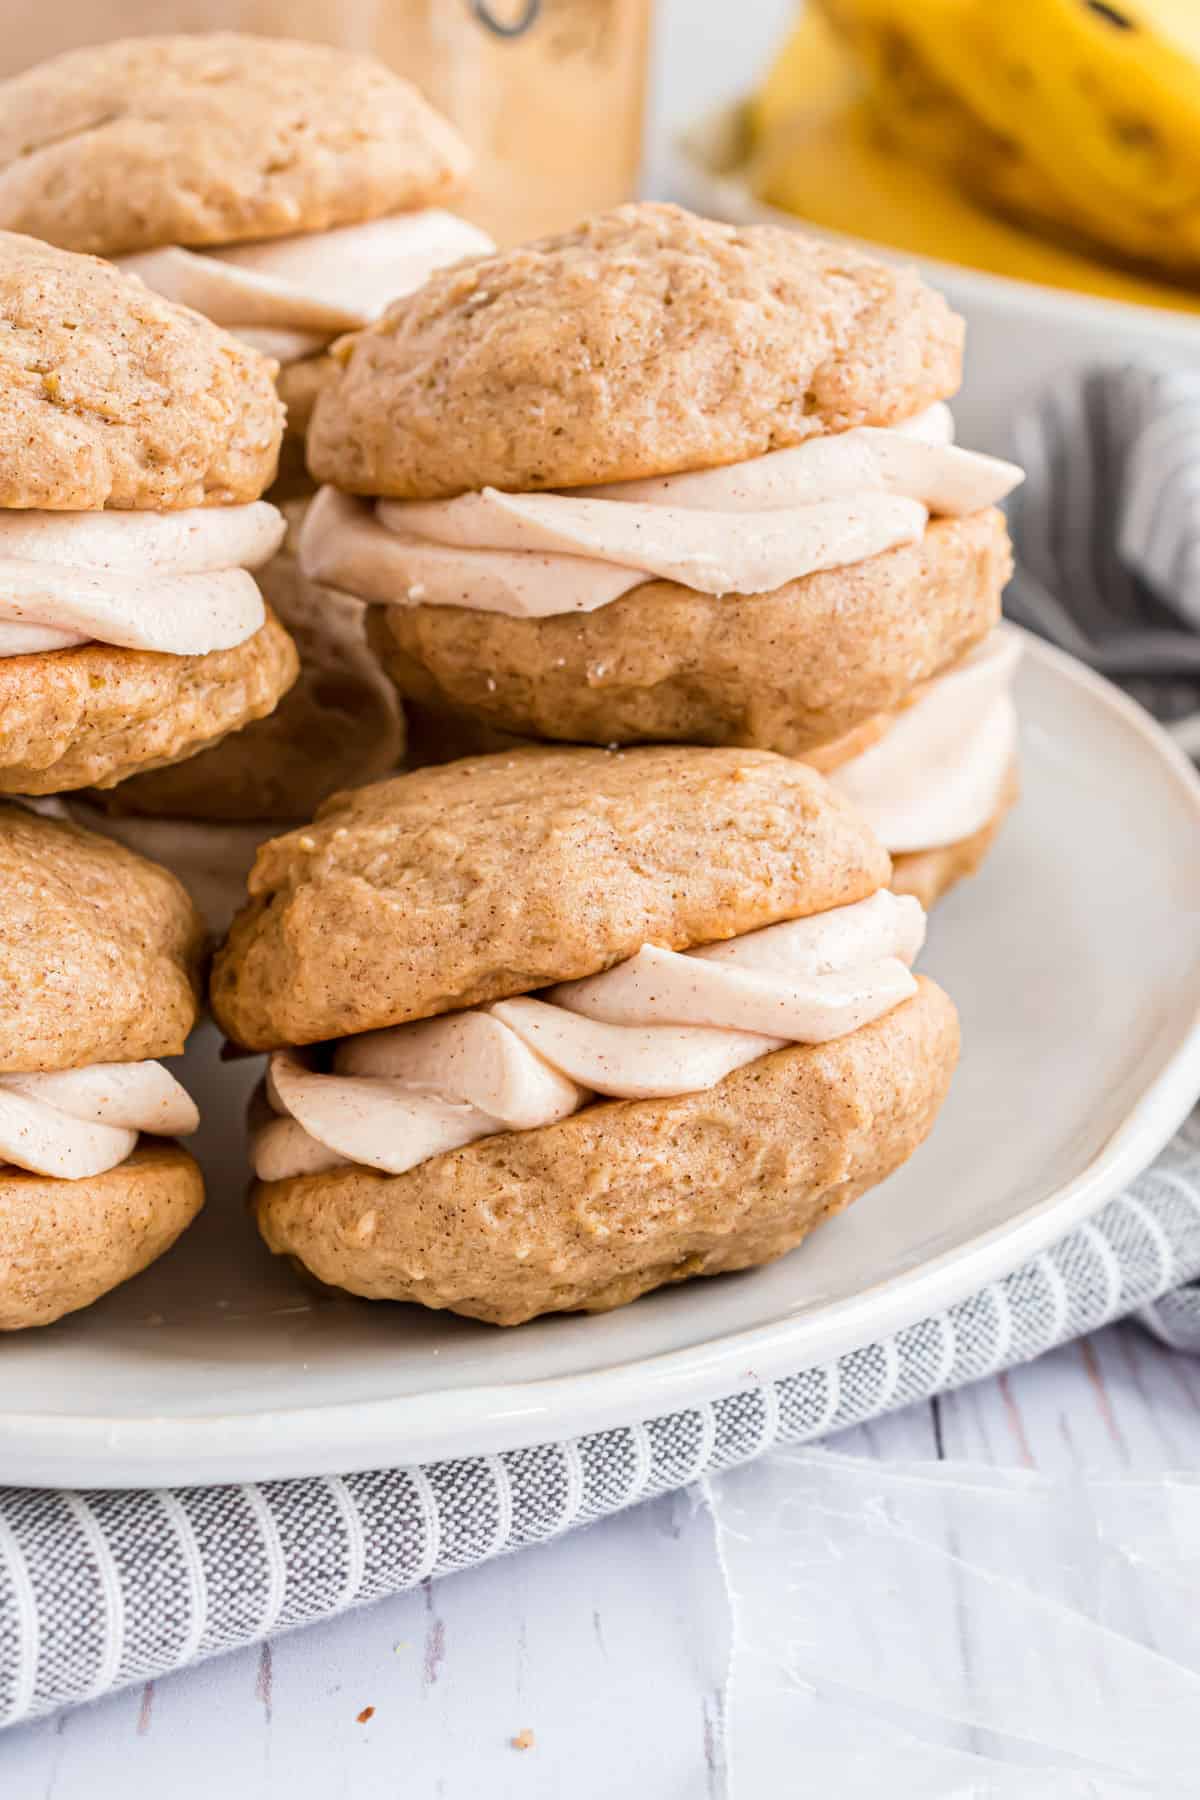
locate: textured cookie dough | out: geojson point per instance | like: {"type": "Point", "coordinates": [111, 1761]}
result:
{"type": "Point", "coordinates": [64, 1243]}
{"type": "Point", "coordinates": [91, 716]}
{"type": "Point", "coordinates": [339, 726]}
{"type": "Point", "coordinates": [501, 874]}
{"type": "Point", "coordinates": [928, 874]}
{"type": "Point", "coordinates": [111, 396]}
{"type": "Point", "coordinates": [624, 1196]}
{"type": "Point", "coordinates": [644, 342]}
{"type": "Point", "coordinates": [99, 950]}
{"type": "Point", "coordinates": [211, 140]}
{"type": "Point", "coordinates": [784, 671]}
{"type": "Point", "coordinates": [436, 737]}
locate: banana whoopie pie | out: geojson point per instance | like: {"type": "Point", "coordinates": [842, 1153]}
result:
{"type": "Point", "coordinates": [99, 977]}
{"type": "Point", "coordinates": [550, 1029]}
{"type": "Point", "coordinates": [664, 480]}
{"type": "Point", "coordinates": [135, 441]}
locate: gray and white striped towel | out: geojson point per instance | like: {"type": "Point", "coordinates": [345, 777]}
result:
{"type": "Point", "coordinates": [101, 1589]}
{"type": "Point", "coordinates": [1107, 532]}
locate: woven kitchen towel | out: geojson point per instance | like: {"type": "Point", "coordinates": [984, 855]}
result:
{"type": "Point", "coordinates": [1107, 537]}
{"type": "Point", "coordinates": [101, 1589]}
{"type": "Point", "coordinates": [1107, 531]}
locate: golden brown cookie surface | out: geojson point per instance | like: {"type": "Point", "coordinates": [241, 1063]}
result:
{"type": "Point", "coordinates": [339, 726]}
{"type": "Point", "coordinates": [111, 396]}
{"type": "Point", "coordinates": [213, 139]}
{"type": "Point", "coordinates": [64, 1243]}
{"type": "Point", "coordinates": [624, 1196]}
{"type": "Point", "coordinates": [99, 950]}
{"type": "Point", "coordinates": [644, 342]}
{"type": "Point", "coordinates": [460, 884]}
{"type": "Point", "coordinates": [784, 671]}
{"type": "Point", "coordinates": [91, 716]}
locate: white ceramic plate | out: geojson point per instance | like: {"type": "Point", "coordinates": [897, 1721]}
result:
{"type": "Point", "coordinates": [1073, 959]}
{"type": "Point", "coordinates": [1019, 335]}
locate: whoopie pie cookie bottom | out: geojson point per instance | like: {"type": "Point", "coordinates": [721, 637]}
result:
{"type": "Point", "coordinates": [626, 1196]}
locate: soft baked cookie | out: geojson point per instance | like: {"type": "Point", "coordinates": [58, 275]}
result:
{"type": "Point", "coordinates": [96, 713]}
{"type": "Point", "coordinates": [690, 483]}
{"type": "Point", "coordinates": [109, 396]}
{"type": "Point", "coordinates": [645, 342]}
{"type": "Point", "coordinates": [936, 778]}
{"type": "Point", "coordinates": [786, 670]}
{"type": "Point", "coordinates": [65, 1243]}
{"type": "Point", "coordinates": [213, 139]}
{"type": "Point", "coordinates": [99, 976]}
{"type": "Point", "coordinates": [286, 190]}
{"type": "Point", "coordinates": [589, 1022]}
{"type": "Point", "coordinates": [457, 885]}
{"type": "Point", "coordinates": [137, 437]}
{"type": "Point", "coordinates": [99, 950]}
{"type": "Point", "coordinates": [625, 1196]}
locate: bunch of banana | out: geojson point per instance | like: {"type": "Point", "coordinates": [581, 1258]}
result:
{"type": "Point", "coordinates": [948, 127]}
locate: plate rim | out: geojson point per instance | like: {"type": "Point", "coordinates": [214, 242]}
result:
{"type": "Point", "coordinates": [47, 1449]}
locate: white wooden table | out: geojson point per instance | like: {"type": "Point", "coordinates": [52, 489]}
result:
{"type": "Point", "coordinates": [611, 1646]}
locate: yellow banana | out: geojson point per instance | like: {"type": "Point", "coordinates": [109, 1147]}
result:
{"type": "Point", "coordinates": [1082, 116]}
{"type": "Point", "coordinates": [823, 148]}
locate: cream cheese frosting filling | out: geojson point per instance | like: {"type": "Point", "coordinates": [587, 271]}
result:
{"type": "Point", "coordinates": [747, 528]}
{"type": "Point", "coordinates": [938, 773]}
{"type": "Point", "coordinates": [73, 1123]}
{"type": "Point", "coordinates": [176, 582]}
{"type": "Point", "coordinates": [661, 1023]}
{"type": "Point", "coordinates": [288, 297]}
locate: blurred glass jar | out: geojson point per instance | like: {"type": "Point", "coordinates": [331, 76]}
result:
{"type": "Point", "coordinates": [549, 93]}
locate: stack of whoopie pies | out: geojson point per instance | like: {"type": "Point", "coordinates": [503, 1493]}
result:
{"type": "Point", "coordinates": [657, 530]}
{"type": "Point", "coordinates": [99, 976]}
{"type": "Point", "coordinates": [137, 438]}
{"type": "Point", "coordinates": [659, 479]}
{"type": "Point", "coordinates": [589, 1022]}
{"type": "Point", "coordinates": [287, 191]}
{"type": "Point", "coordinates": [552, 1026]}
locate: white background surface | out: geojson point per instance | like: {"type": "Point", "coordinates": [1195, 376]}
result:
{"type": "Point", "coordinates": [611, 1645]}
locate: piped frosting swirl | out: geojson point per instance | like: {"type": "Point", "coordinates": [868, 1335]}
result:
{"type": "Point", "coordinates": [661, 1023]}
{"type": "Point", "coordinates": [287, 297]}
{"type": "Point", "coordinates": [744, 529]}
{"type": "Point", "coordinates": [175, 582]}
{"type": "Point", "coordinates": [72, 1123]}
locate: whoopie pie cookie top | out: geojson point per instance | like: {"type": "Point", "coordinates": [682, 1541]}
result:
{"type": "Point", "coordinates": [498, 875]}
{"type": "Point", "coordinates": [214, 139]}
{"type": "Point", "coordinates": [644, 342]}
{"type": "Point", "coordinates": [111, 396]}
{"type": "Point", "coordinates": [99, 950]}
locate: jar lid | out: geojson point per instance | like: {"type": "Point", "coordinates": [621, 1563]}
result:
{"type": "Point", "coordinates": [517, 26]}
